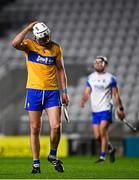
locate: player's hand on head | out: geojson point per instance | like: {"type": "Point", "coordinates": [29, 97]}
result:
{"type": "Point", "coordinates": [30, 26]}
{"type": "Point", "coordinates": [65, 99]}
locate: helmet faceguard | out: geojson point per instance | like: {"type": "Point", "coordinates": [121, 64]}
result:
{"type": "Point", "coordinates": [103, 58]}
{"type": "Point", "coordinates": [41, 33]}
{"type": "Point", "coordinates": [100, 63]}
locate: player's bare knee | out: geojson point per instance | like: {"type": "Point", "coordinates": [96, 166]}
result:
{"type": "Point", "coordinates": [103, 133]}
{"type": "Point", "coordinates": [35, 130]}
{"type": "Point", "coordinates": [56, 128]}
{"type": "Point", "coordinates": [97, 137]}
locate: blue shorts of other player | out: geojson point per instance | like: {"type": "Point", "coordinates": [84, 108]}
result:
{"type": "Point", "coordinates": [98, 117]}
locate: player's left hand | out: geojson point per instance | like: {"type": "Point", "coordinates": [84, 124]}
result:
{"type": "Point", "coordinates": [65, 99]}
{"type": "Point", "coordinates": [121, 115]}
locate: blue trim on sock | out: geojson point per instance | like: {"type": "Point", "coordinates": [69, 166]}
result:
{"type": "Point", "coordinates": [103, 154]}
{"type": "Point", "coordinates": [53, 152]}
{"type": "Point", "coordinates": [36, 161]}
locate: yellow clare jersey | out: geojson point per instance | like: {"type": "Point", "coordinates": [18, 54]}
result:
{"type": "Point", "coordinates": [41, 65]}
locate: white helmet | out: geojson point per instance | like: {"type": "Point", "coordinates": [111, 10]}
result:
{"type": "Point", "coordinates": [103, 58]}
{"type": "Point", "coordinates": [40, 30]}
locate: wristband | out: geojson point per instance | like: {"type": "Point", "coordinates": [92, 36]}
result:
{"type": "Point", "coordinates": [64, 91]}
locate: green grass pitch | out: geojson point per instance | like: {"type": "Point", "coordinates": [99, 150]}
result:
{"type": "Point", "coordinates": [78, 167]}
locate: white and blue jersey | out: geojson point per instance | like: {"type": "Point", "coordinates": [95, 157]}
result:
{"type": "Point", "coordinates": [101, 95]}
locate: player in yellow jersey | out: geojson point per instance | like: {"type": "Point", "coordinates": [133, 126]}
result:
{"type": "Point", "coordinates": [45, 74]}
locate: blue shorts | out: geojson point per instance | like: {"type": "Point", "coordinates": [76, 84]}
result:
{"type": "Point", "coordinates": [37, 100]}
{"type": "Point", "coordinates": [97, 117]}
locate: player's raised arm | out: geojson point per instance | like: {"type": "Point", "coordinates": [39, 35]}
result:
{"type": "Point", "coordinates": [18, 41]}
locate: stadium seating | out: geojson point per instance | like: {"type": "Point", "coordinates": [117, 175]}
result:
{"type": "Point", "coordinates": [84, 29]}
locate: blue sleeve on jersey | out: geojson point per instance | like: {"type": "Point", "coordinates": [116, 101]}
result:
{"type": "Point", "coordinates": [87, 84]}
{"type": "Point", "coordinates": [114, 82]}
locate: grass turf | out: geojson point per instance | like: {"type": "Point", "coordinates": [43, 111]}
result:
{"type": "Point", "coordinates": [75, 168]}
